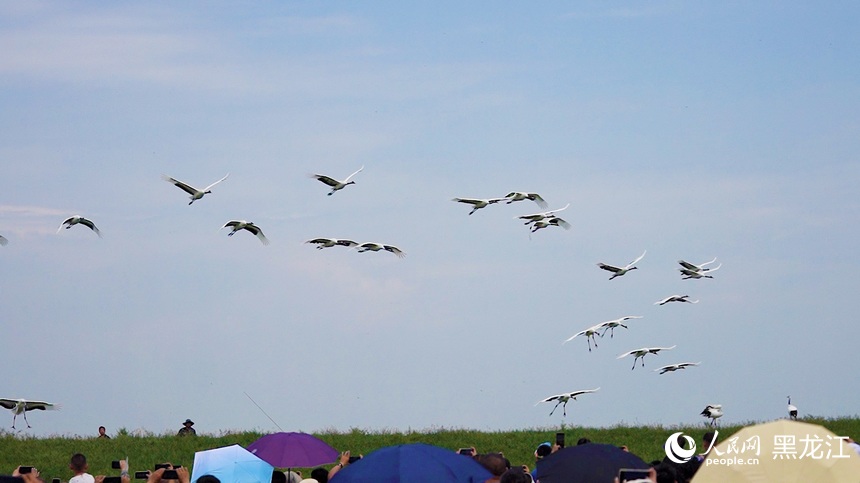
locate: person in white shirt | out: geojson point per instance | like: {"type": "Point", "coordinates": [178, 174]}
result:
{"type": "Point", "coordinates": [78, 464]}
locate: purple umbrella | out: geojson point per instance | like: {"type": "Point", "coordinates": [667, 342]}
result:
{"type": "Point", "coordinates": [293, 450]}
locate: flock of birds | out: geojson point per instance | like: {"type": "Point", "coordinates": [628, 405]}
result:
{"type": "Point", "coordinates": [688, 271]}
{"type": "Point", "coordinates": [537, 221]}
{"type": "Point", "coordinates": [235, 226]}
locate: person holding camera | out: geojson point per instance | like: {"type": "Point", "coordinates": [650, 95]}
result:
{"type": "Point", "coordinates": [345, 460]}
{"type": "Point", "coordinates": [178, 473]}
{"type": "Point", "coordinates": [28, 473]}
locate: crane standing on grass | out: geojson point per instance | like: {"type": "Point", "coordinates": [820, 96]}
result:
{"type": "Point", "coordinates": [792, 410]}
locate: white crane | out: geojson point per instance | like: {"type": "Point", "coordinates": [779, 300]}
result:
{"type": "Point", "coordinates": [330, 242]}
{"type": "Point", "coordinates": [3, 241]}
{"type": "Point", "coordinates": [540, 216]}
{"type": "Point", "coordinates": [195, 193]}
{"type": "Point", "coordinates": [619, 271]}
{"type": "Point", "coordinates": [335, 184]}
{"type": "Point", "coordinates": [713, 411]}
{"type": "Point", "coordinates": [675, 367]}
{"type": "Point", "coordinates": [703, 273]}
{"type": "Point", "coordinates": [589, 334]}
{"type": "Point", "coordinates": [610, 325]}
{"type": "Point", "coordinates": [237, 225]}
{"type": "Point", "coordinates": [792, 410]}
{"type": "Point", "coordinates": [375, 247]}
{"type": "Point", "coordinates": [695, 268]}
{"type": "Point", "coordinates": [21, 406]}
{"type": "Point", "coordinates": [563, 399]}
{"type": "Point", "coordinates": [676, 298]}
{"type": "Point", "coordinates": [478, 203]}
{"type": "Point", "coordinates": [521, 196]}
{"type": "Point", "coordinates": [641, 353]}
{"type": "Point", "coordinates": [553, 221]}
{"type": "Point", "coordinates": [77, 219]}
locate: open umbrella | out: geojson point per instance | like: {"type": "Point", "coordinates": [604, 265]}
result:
{"type": "Point", "coordinates": [293, 450]}
{"type": "Point", "coordinates": [586, 463]}
{"type": "Point", "coordinates": [231, 464]}
{"type": "Point", "coordinates": [413, 463]}
{"type": "Point", "coordinates": [784, 451]}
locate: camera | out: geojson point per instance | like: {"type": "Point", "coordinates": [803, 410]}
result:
{"type": "Point", "coordinates": [169, 475]}
{"type": "Point", "coordinates": [141, 475]}
{"type": "Point", "coordinates": [630, 474]}
{"type": "Point", "coordinates": [559, 439]}
{"type": "Point", "coordinates": [115, 464]}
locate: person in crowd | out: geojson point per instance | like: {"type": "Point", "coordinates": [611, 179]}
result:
{"type": "Point", "coordinates": [541, 452]}
{"type": "Point", "coordinates": [517, 474]}
{"type": "Point", "coordinates": [182, 475]}
{"type": "Point", "coordinates": [341, 464]}
{"type": "Point", "coordinates": [495, 463]}
{"type": "Point", "coordinates": [320, 474]}
{"type": "Point", "coordinates": [667, 473]}
{"type": "Point", "coordinates": [123, 473]}
{"type": "Point", "coordinates": [278, 477]}
{"type": "Point", "coordinates": [78, 465]}
{"type": "Point", "coordinates": [102, 433]}
{"type": "Point", "coordinates": [186, 429]}
{"type": "Point", "coordinates": [709, 440]}
{"type": "Point", "coordinates": [31, 476]}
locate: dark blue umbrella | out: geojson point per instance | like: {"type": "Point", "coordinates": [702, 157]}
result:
{"type": "Point", "coordinates": [586, 463]}
{"type": "Point", "coordinates": [413, 463]}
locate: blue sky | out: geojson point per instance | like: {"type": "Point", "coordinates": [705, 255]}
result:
{"type": "Point", "coordinates": [688, 129]}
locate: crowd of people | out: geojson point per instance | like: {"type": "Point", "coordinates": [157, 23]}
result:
{"type": "Point", "coordinates": [660, 471]}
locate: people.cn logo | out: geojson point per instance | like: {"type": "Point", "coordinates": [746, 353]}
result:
{"type": "Point", "coordinates": [675, 452]}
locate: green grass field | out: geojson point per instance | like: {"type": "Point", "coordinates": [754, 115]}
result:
{"type": "Point", "coordinates": [51, 455]}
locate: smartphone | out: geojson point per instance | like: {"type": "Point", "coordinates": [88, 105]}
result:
{"type": "Point", "coordinates": [353, 459]}
{"type": "Point", "coordinates": [141, 475]}
{"type": "Point", "coordinates": [559, 439]}
{"type": "Point", "coordinates": [55, 480]}
{"type": "Point", "coordinates": [112, 479]}
{"type": "Point", "coordinates": [465, 451]}
{"type": "Point", "coordinates": [115, 464]}
{"type": "Point", "coordinates": [176, 467]}
{"type": "Point", "coordinates": [162, 465]}
{"type": "Point", "coordinates": [630, 474]}
{"type": "Point", "coordinates": [169, 475]}
{"type": "Point", "coordinates": [25, 469]}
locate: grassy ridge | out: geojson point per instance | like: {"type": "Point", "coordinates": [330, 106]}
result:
{"type": "Point", "coordinates": [51, 455]}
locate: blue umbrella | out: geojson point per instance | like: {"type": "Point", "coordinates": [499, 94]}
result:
{"type": "Point", "coordinates": [231, 464]}
{"type": "Point", "coordinates": [586, 463]}
{"type": "Point", "coordinates": [413, 463]}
